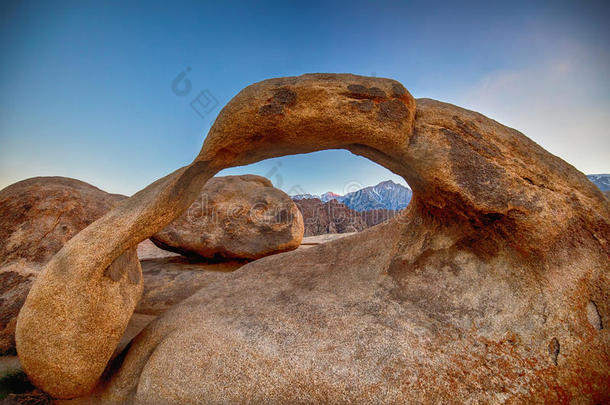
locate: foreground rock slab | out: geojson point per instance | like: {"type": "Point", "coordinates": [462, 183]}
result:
{"type": "Point", "coordinates": [170, 280]}
{"type": "Point", "coordinates": [235, 217]}
{"type": "Point", "coordinates": [37, 217]}
{"type": "Point", "coordinates": [491, 287]}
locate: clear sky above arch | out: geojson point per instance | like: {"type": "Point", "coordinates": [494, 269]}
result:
{"type": "Point", "coordinates": [89, 89]}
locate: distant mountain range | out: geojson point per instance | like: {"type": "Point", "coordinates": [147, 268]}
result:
{"type": "Point", "coordinates": [385, 195]}
{"type": "Point", "coordinates": [326, 197]}
{"type": "Point", "coordinates": [600, 180]}
{"type": "Point", "coordinates": [392, 196]}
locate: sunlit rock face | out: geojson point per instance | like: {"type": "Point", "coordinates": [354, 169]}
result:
{"type": "Point", "coordinates": [492, 286]}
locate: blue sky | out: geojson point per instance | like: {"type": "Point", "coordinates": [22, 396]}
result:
{"type": "Point", "coordinates": [86, 87]}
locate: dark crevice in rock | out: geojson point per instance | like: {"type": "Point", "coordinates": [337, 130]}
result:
{"type": "Point", "coordinates": [554, 350]}
{"type": "Point", "coordinates": [594, 316]}
{"type": "Point", "coordinates": [52, 227]}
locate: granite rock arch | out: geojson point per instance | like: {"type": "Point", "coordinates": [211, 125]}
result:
{"type": "Point", "coordinates": [487, 200]}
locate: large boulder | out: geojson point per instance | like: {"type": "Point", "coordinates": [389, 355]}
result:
{"type": "Point", "coordinates": [492, 286]}
{"type": "Point", "coordinates": [235, 217]}
{"type": "Point", "coordinates": [37, 217]}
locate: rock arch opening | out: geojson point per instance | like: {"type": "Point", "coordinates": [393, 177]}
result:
{"type": "Point", "coordinates": [335, 190]}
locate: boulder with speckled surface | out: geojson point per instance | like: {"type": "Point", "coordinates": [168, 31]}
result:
{"type": "Point", "coordinates": [235, 217]}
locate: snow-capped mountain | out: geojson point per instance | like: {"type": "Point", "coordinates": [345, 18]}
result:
{"type": "Point", "coordinates": [600, 180]}
{"type": "Point", "coordinates": [330, 196]}
{"type": "Point", "coordinates": [297, 197]}
{"type": "Point", "coordinates": [326, 197]}
{"type": "Point", "coordinates": [385, 195]}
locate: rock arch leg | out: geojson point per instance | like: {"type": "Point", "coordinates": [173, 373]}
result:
{"type": "Point", "coordinates": [78, 309]}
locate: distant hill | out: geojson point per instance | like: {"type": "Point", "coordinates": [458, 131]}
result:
{"type": "Point", "coordinates": [600, 180]}
{"type": "Point", "coordinates": [334, 217]}
{"type": "Point", "coordinates": [385, 195]}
